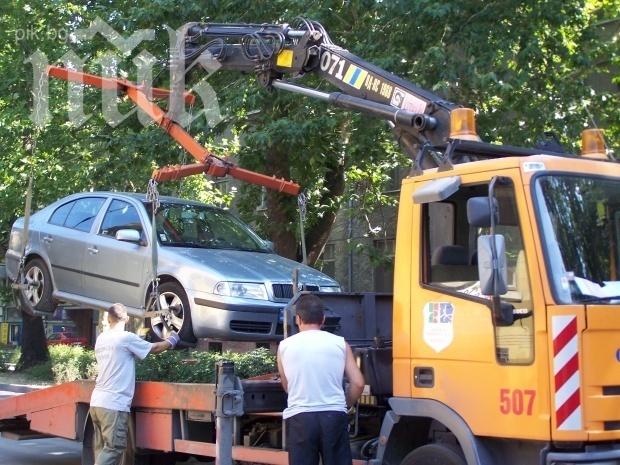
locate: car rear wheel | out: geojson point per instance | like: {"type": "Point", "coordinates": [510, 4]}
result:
{"type": "Point", "coordinates": [175, 314]}
{"type": "Point", "coordinates": [37, 291]}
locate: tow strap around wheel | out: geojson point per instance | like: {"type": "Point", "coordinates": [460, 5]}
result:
{"type": "Point", "coordinates": [152, 196]}
{"type": "Point", "coordinates": [20, 284]}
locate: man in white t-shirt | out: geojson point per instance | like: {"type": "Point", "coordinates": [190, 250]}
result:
{"type": "Point", "coordinates": [312, 364]}
{"type": "Point", "coordinates": [110, 403]}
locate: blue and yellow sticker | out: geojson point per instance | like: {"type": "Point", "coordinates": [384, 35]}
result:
{"type": "Point", "coordinates": [355, 76]}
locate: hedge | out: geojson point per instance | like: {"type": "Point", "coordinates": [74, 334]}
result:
{"type": "Point", "coordinates": [70, 363]}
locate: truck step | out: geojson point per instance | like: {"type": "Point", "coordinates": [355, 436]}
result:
{"type": "Point", "coordinates": [22, 435]}
{"type": "Point", "coordinates": [14, 424]}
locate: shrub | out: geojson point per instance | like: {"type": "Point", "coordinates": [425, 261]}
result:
{"type": "Point", "coordinates": [70, 363]}
{"type": "Point", "coordinates": [192, 366]}
{"type": "Point", "coordinates": [40, 372]}
{"type": "Point", "coordinates": [8, 357]}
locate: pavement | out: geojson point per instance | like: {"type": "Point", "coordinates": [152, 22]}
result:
{"type": "Point", "coordinates": [48, 451]}
{"type": "Point", "coordinates": [51, 451]}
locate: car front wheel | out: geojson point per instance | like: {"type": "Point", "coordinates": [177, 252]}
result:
{"type": "Point", "coordinates": [175, 314]}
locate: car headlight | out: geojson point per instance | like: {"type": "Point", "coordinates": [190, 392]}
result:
{"type": "Point", "coordinates": [243, 290]}
{"type": "Point", "coordinates": [329, 288]}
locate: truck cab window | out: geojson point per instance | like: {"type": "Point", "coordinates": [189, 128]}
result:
{"type": "Point", "coordinates": [451, 263]}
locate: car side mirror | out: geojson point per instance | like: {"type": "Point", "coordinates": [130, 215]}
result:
{"type": "Point", "coordinates": [492, 268]}
{"type": "Point", "coordinates": [128, 235]}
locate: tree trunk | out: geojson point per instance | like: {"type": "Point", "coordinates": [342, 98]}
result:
{"type": "Point", "coordinates": [284, 213]}
{"type": "Point", "coordinates": [319, 234]}
{"type": "Point", "coordinates": [281, 208]}
{"type": "Point", "coordinates": [33, 343]}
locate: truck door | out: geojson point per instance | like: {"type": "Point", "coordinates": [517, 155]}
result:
{"type": "Point", "coordinates": [486, 372]}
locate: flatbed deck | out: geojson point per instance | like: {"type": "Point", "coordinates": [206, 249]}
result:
{"type": "Point", "coordinates": [168, 417]}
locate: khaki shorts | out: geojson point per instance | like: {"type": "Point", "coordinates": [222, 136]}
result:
{"type": "Point", "coordinates": [113, 431]}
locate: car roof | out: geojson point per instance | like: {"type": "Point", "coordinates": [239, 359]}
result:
{"type": "Point", "coordinates": [141, 197]}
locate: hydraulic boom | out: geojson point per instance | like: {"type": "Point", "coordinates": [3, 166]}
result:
{"type": "Point", "coordinates": [274, 52]}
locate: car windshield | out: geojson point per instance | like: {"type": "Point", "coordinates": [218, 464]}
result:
{"type": "Point", "coordinates": [201, 226]}
{"type": "Point", "coordinates": [580, 222]}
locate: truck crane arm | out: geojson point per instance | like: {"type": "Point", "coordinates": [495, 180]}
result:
{"type": "Point", "coordinates": [208, 162]}
{"type": "Point", "coordinates": [274, 52]}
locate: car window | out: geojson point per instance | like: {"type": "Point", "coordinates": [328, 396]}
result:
{"type": "Point", "coordinates": [120, 215]}
{"type": "Point", "coordinates": [192, 225]}
{"type": "Point", "coordinates": [60, 215]}
{"type": "Point", "coordinates": [83, 213]}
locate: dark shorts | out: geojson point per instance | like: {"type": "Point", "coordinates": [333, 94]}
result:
{"type": "Point", "coordinates": [318, 434]}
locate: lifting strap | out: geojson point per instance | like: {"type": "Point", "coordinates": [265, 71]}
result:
{"type": "Point", "coordinates": [302, 200]}
{"type": "Point", "coordinates": [152, 196]}
{"type": "Point", "coordinates": [20, 283]}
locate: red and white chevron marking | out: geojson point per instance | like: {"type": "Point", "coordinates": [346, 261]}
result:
{"type": "Point", "coordinates": [566, 372]}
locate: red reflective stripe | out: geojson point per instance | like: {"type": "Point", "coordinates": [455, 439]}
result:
{"type": "Point", "coordinates": [568, 370]}
{"type": "Point", "coordinates": [565, 410]}
{"type": "Point", "coordinates": [569, 332]}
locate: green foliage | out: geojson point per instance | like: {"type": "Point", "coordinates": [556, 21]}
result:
{"type": "Point", "coordinates": [67, 363]}
{"type": "Point", "coordinates": [40, 372]}
{"type": "Point", "coordinates": [191, 366]}
{"type": "Point", "coordinates": [8, 356]}
{"type": "Point", "coordinates": [70, 363]}
{"type": "Point", "coordinates": [527, 66]}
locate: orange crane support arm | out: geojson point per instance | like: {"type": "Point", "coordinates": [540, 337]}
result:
{"type": "Point", "coordinates": [208, 163]}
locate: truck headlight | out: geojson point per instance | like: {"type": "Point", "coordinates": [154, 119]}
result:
{"type": "Point", "coordinates": [243, 290]}
{"type": "Point", "coordinates": [329, 288]}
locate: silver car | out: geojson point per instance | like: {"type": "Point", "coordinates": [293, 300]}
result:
{"type": "Point", "coordinates": [217, 278]}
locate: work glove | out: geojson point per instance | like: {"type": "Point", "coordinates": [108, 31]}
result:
{"type": "Point", "coordinates": [173, 339]}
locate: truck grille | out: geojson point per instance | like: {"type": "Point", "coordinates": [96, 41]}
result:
{"type": "Point", "coordinates": [256, 327]}
{"type": "Point", "coordinates": [285, 291]}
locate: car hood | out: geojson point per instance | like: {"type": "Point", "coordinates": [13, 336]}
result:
{"type": "Point", "coordinates": [239, 265]}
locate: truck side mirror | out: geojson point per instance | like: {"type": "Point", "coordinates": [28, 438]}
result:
{"type": "Point", "coordinates": [479, 212]}
{"type": "Point", "coordinates": [493, 272]}
{"type": "Point", "coordinates": [268, 245]}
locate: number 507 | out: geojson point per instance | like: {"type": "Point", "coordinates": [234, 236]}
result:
{"type": "Point", "coordinates": [516, 401]}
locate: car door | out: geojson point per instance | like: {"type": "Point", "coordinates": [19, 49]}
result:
{"type": "Point", "coordinates": [64, 240]}
{"type": "Point", "coordinates": [114, 270]}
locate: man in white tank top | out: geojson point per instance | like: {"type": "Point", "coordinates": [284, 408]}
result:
{"type": "Point", "coordinates": [312, 364]}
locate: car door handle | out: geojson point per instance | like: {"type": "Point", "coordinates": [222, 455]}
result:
{"type": "Point", "coordinates": [93, 250]}
{"type": "Point", "coordinates": [48, 239]}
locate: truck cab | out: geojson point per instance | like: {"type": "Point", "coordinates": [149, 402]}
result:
{"type": "Point", "coordinates": [539, 363]}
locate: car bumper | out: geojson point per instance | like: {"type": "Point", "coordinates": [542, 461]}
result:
{"type": "Point", "coordinates": [11, 260]}
{"type": "Point", "coordinates": [227, 318]}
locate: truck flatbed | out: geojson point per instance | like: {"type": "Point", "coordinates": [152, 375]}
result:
{"type": "Point", "coordinates": [168, 417]}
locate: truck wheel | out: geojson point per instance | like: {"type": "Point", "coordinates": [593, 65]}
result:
{"type": "Point", "coordinates": [37, 294]}
{"type": "Point", "coordinates": [88, 443]}
{"type": "Point", "coordinates": [434, 454]}
{"type": "Point", "coordinates": [175, 315]}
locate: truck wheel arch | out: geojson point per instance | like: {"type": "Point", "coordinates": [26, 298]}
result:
{"type": "Point", "coordinates": [407, 425]}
